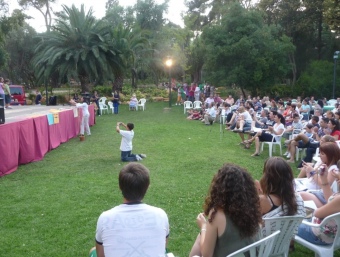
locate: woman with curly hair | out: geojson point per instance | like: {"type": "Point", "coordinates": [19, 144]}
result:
{"type": "Point", "coordinates": [233, 214]}
{"type": "Point", "coordinates": [276, 189]}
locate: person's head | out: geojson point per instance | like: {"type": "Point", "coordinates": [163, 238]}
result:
{"type": "Point", "coordinates": [324, 122]}
{"type": "Point", "coordinates": [337, 115]}
{"type": "Point", "coordinates": [231, 188]}
{"type": "Point", "coordinates": [296, 117]}
{"type": "Point", "coordinates": [133, 95]}
{"type": "Point", "coordinates": [264, 113]}
{"type": "Point", "coordinates": [317, 112]}
{"type": "Point", "coordinates": [241, 109]}
{"type": "Point", "coordinates": [130, 126]}
{"type": "Point", "coordinates": [304, 101]}
{"type": "Point", "coordinates": [309, 127]}
{"type": "Point", "coordinates": [6, 81]}
{"type": "Point", "coordinates": [230, 96]}
{"type": "Point", "coordinates": [329, 153]}
{"type": "Point", "coordinates": [326, 139]}
{"type": "Point", "coordinates": [293, 106]}
{"type": "Point", "coordinates": [315, 120]}
{"type": "Point", "coordinates": [1, 79]}
{"type": "Point", "coordinates": [272, 114]}
{"type": "Point", "coordinates": [278, 118]}
{"type": "Point", "coordinates": [330, 115]}
{"type": "Point", "coordinates": [333, 125]}
{"type": "Point", "coordinates": [278, 179]}
{"type": "Point", "coordinates": [273, 103]}
{"type": "Point", "coordinates": [134, 180]}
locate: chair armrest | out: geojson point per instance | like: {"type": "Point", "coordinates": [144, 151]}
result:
{"type": "Point", "coordinates": [310, 224]}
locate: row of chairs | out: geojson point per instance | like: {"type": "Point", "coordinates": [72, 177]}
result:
{"type": "Point", "coordinates": [280, 231]}
{"type": "Point", "coordinates": [103, 107]}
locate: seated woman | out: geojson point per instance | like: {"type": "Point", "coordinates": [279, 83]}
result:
{"type": "Point", "coordinates": [329, 155]}
{"type": "Point", "coordinates": [262, 136]}
{"type": "Point", "coordinates": [334, 127]}
{"type": "Point", "coordinates": [133, 102]}
{"type": "Point", "coordinates": [323, 235]}
{"type": "Point", "coordinates": [228, 226]}
{"type": "Point", "coordinates": [276, 190]}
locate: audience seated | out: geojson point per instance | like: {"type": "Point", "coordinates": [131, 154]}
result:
{"type": "Point", "coordinates": [230, 100]}
{"type": "Point", "coordinates": [334, 127]}
{"type": "Point", "coordinates": [274, 131]}
{"type": "Point", "coordinates": [300, 141]}
{"type": "Point", "coordinates": [329, 155]}
{"type": "Point", "coordinates": [225, 225]}
{"type": "Point", "coordinates": [276, 190]}
{"type": "Point", "coordinates": [324, 235]}
{"type": "Point", "coordinates": [294, 128]}
{"type": "Point", "coordinates": [210, 114]}
{"type": "Point", "coordinates": [133, 102]}
{"type": "Point", "coordinates": [290, 117]}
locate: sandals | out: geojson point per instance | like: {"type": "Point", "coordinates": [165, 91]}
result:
{"type": "Point", "coordinates": [255, 154]}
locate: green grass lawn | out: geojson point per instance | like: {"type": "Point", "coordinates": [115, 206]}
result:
{"type": "Point", "coordinates": [50, 208]}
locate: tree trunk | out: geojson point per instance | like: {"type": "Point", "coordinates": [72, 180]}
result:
{"type": "Point", "coordinates": [84, 84]}
{"type": "Point", "coordinates": [293, 64]}
{"type": "Point", "coordinates": [118, 83]}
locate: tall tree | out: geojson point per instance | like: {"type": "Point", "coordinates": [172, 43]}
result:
{"type": "Point", "coordinates": [77, 46]}
{"type": "Point", "coordinates": [43, 6]}
{"type": "Point", "coordinates": [244, 51]}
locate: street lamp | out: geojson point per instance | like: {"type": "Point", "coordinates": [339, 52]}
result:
{"type": "Point", "coordinates": [335, 57]}
{"type": "Point", "coordinates": [169, 64]}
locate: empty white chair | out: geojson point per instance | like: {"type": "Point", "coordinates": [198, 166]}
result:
{"type": "Point", "coordinates": [187, 106]}
{"type": "Point", "coordinates": [288, 226]}
{"type": "Point", "coordinates": [261, 248]}
{"type": "Point", "coordinates": [273, 143]}
{"type": "Point", "coordinates": [197, 105]}
{"type": "Point", "coordinates": [323, 250]}
{"type": "Point", "coordinates": [141, 103]}
{"type": "Point", "coordinates": [102, 100]}
{"type": "Point", "coordinates": [103, 107]}
{"type": "Point", "coordinates": [110, 104]}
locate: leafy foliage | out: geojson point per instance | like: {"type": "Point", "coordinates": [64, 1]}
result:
{"type": "Point", "coordinates": [78, 46]}
{"type": "Point", "coordinates": [244, 51]}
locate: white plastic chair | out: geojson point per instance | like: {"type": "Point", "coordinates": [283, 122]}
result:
{"type": "Point", "coordinates": [288, 225]}
{"type": "Point", "coordinates": [141, 104]}
{"type": "Point", "coordinates": [273, 143]}
{"type": "Point", "coordinates": [103, 107]}
{"type": "Point", "coordinates": [197, 105]}
{"type": "Point", "coordinates": [322, 250]}
{"type": "Point", "coordinates": [261, 248]}
{"type": "Point", "coordinates": [187, 106]}
{"type": "Point", "coordinates": [102, 100]}
{"type": "Point", "coordinates": [110, 104]}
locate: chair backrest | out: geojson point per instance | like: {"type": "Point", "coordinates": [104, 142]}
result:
{"type": "Point", "coordinates": [336, 218]}
{"type": "Point", "coordinates": [142, 101]}
{"type": "Point", "coordinates": [288, 226]}
{"type": "Point", "coordinates": [332, 102]}
{"type": "Point", "coordinates": [102, 100]}
{"type": "Point", "coordinates": [197, 104]}
{"type": "Point", "coordinates": [187, 104]}
{"type": "Point", "coordinates": [102, 105]}
{"type": "Point", "coordinates": [261, 248]}
{"type": "Point", "coordinates": [110, 104]}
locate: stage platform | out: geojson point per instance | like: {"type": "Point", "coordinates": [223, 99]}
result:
{"type": "Point", "coordinates": [30, 131]}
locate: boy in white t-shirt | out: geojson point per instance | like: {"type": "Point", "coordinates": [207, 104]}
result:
{"type": "Point", "coordinates": [132, 228]}
{"type": "Point", "coordinates": [126, 143]}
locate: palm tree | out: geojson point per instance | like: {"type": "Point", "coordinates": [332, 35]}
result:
{"type": "Point", "coordinates": [131, 44]}
{"type": "Point", "coordinates": [77, 46]}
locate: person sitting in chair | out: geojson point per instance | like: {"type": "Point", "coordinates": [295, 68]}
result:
{"type": "Point", "coordinates": [133, 102]}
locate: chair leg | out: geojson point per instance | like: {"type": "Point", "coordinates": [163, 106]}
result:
{"type": "Point", "coordinates": [270, 149]}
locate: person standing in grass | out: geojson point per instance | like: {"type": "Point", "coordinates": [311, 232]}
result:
{"type": "Point", "coordinates": [84, 125]}
{"type": "Point", "coordinates": [132, 228]}
{"type": "Point", "coordinates": [126, 143]}
{"type": "Point", "coordinates": [7, 94]}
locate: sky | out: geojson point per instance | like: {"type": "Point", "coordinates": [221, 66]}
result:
{"type": "Point", "coordinates": [174, 11]}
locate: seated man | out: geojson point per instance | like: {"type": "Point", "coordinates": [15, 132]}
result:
{"type": "Point", "coordinates": [132, 228]}
{"type": "Point", "coordinates": [210, 114]}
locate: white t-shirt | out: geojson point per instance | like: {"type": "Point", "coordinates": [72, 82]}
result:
{"type": "Point", "coordinates": [277, 129]}
{"type": "Point", "coordinates": [133, 230]}
{"type": "Point", "coordinates": [126, 143]}
{"type": "Point", "coordinates": [85, 108]}
{"type": "Point", "coordinates": [247, 117]}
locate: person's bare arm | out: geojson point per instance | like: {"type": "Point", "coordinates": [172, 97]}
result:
{"type": "Point", "coordinates": [100, 250]}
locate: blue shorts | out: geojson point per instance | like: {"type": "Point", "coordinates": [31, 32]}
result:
{"type": "Point", "coordinates": [7, 99]}
{"type": "Point", "coordinates": [319, 195]}
{"type": "Point", "coordinates": [306, 233]}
